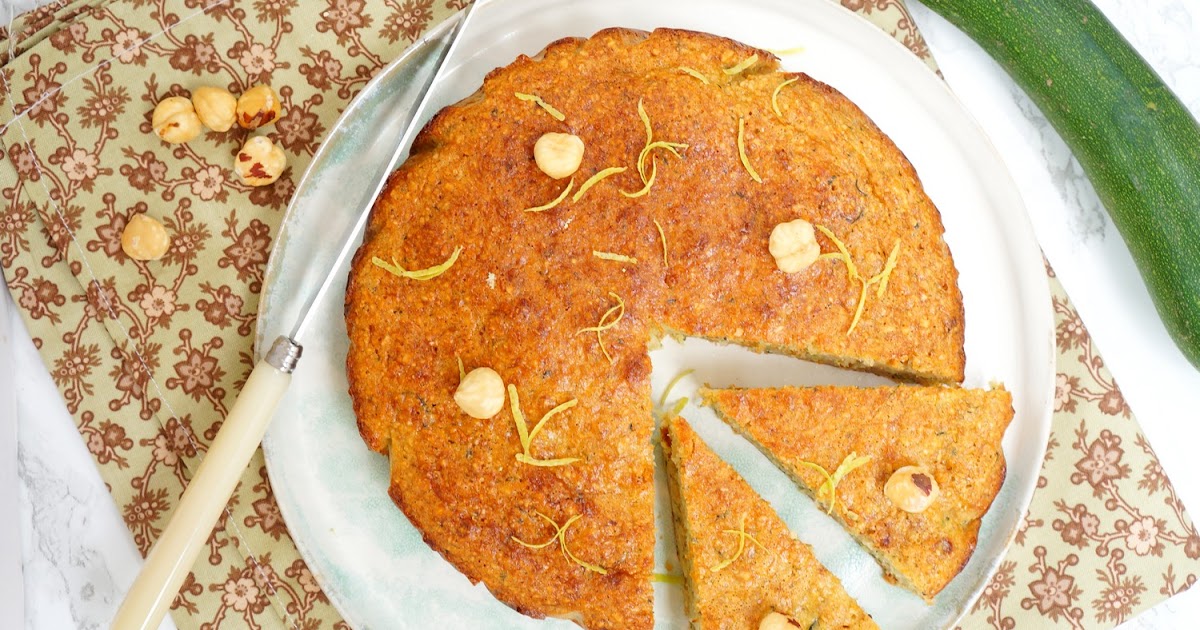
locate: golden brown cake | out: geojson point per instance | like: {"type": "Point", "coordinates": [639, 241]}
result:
{"type": "Point", "coordinates": [525, 284]}
{"type": "Point", "coordinates": [716, 513]}
{"type": "Point", "coordinates": [954, 434]}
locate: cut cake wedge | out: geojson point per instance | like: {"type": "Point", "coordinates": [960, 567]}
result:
{"type": "Point", "coordinates": [740, 561]}
{"type": "Point", "coordinates": [954, 433]}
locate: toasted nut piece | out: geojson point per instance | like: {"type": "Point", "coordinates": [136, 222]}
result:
{"type": "Point", "coordinates": [144, 238]}
{"type": "Point", "coordinates": [778, 621]}
{"type": "Point", "coordinates": [794, 246]}
{"type": "Point", "coordinates": [481, 393]}
{"type": "Point", "coordinates": [260, 162]}
{"type": "Point", "coordinates": [558, 154]}
{"type": "Point", "coordinates": [257, 107]}
{"type": "Point", "coordinates": [912, 488]}
{"type": "Point", "coordinates": [174, 120]}
{"type": "Point", "coordinates": [216, 107]}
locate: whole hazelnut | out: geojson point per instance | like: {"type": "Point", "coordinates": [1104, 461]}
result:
{"type": "Point", "coordinates": [175, 120]}
{"type": "Point", "coordinates": [481, 393]}
{"type": "Point", "coordinates": [216, 107]}
{"type": "Point", "coordinates": [257, 107]}
{"type": "Point", "coordinates": [794, 246]}
{"type": "Point", "coordinates": [912, 488]}
{"type": "Point", "coordinates": [558, 154]}
{"type": "Point", "coordinates": [145, 238]}
{"type": "Point", "coordinates": [260, 162]}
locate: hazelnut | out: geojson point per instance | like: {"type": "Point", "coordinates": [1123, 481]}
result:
{"type": "Point", "coordinates": [912, 488]}
{"type": "Point", "coordinates": [260, 162]}
{"type": "Point", "coordinates": [257, 107]}
{"type": "Point", "coordinates": [216, 107]}
{"type": "Point", "coordinates": [481, 393]}
{"type": "Point", "coordinates": [144, 238]}
{"type": "Point", "coordinates": [558, 154]}
{"type": "Point", "coordinates": [778, 621]}
{"type": "Point", "coordinates": [174, 120]}
{"type": "Point", "coordinates": [794, 245]}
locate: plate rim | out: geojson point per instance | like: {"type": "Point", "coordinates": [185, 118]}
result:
{"type": "Point", "coordinates": [1023, 496]}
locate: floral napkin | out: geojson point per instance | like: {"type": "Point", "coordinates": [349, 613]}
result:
{"type": "Point", "coordinates": [149, 356]}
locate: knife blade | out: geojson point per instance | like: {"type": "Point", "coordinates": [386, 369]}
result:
{"type": "Point", "coordinates": [208, 491]}
{"type": "Point", "coordinates": [12, 585]}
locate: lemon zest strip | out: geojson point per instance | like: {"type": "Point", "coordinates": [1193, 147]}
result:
{"type": "Point", "coordinates": [738, 69]}
{"type": "Point", "coordinates": [526, 436]}
{"type": "Point", "coordinates": [888, 267]}
{"type": "Point", "coordinates": [663, 237]}
{"type": "Point", "coordinates": [848, 465]}
{"type": "Point", "coordinates": [645, 121]}
{"type": "Point", "coordinates": [695, 73]}
{"type": "Point", "coordinates": [742, 536]}
{"type": "Point", "coordinates": [419, 274]}
{"type": "Point", "coordinates": [648, 183]}
{"type": "Point", "coordinates": [775, 95]}
{"type": "Point", "coordinates": [662, 401]}
{"type": "Point", "coordinates": [462, 373]}
{"type": "Point", "coordinates": [666, 578]}
{"type": "Point", "coordinates": [673, 147]}
{"type": "Point", "coordinates": [741, 142]}
{"type": "Point", "coordinates": [594, 179]}
{"type": "Point", "coordinates": [614, 257]}
{"type": "Point", "coordinates": [784, 52]}
{"type": "Point", "coordinates": [566, 191]}
{"type": "Point", "coordinates": [560, 534]}
{"type": "Point", "coordinates": [604, 324]}
{"type": "Point", "coordinates": [550, 109]}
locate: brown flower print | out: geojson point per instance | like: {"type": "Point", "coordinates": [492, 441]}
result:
{"type": "Point", "coordinates": [24, 160]}
{"type": "Point", "coordinates": [276, 195]}
{"type": "Point", "coordinates": [141, 514]}
{"type": "Point", "coordinates": [1064, 388]}
{"type": "Point", "coordinates": [197, 374]}
{"type": "Point", "coordinates": [1142, 536]}
{"type": "Point", "coordinates": [324, 69]}
{"type": "Point", "coordinates": [127, 45]}
{"type": "Point", "coordinates": [1102, 463]}
{"type": "Point", "coordinates": [38, 297]}
{"type": "Point", "coordinates": [272, 10]}
{"type": "Point", "coordinates": [1113, 403]}
{"type": "Point", "coordinates": [209, 184]}
{"type": "Point", "coordinates": [66, 38]}
{"type": "Point", "coordinates": [159, 301]}
{"type": "Point", "coordinates": [174, 441]}
{"type": "Point", "coordinates": [407, 20]}
{"type": "Point", "coordinates": [103, 108]}
{"type": "Point", "coordinates": [343, 17]}
{"type": "Point", "coordinates": [257, 59]}
{"type": "Point", "coordinates": [196, 54]}
{"type": "Point", "coordinates": [266, 515]}
{"type": "Point", "coordinates": [249, 250]}
{"type": "Point", "coordinates": [1054, 591]}
{"type": "Point", "coordinates": [1191, 548]}
{"type": "Point", "coordinates": [1117, 601]}
{"type": "Point", "coordinates": [1079, 528]}
{"type": "Point", "coordinates": [42, 99]}
{"type": "Point", "coordinates": [146, 172]}
{"type": "Point", "coordinates": [81, 166]}
{"type": "Point", "coordinates": [240, 593]}
{"type": "Point", "coordinates": [298, 130]}
{"type": "Point", "coordinates": [1070, 333]}
{"type": "Point", "coordinates": [104, 442]}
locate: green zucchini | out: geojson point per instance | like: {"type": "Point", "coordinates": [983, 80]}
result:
{"type": "Point", "coordinates": [1136, 141]}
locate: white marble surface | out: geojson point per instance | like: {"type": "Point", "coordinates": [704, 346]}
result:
{"type": "Point", "coordinates": [78, 557]}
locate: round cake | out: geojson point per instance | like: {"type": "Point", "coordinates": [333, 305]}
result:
{"type": "Point", "coordinates": [695, 148]}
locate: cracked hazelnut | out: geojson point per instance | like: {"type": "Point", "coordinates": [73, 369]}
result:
{"type": "Point", "coordinates": [216, 107]}
{"type": "Point", "coordinates": [558, 154]}
{"type": "Point", "coordinates": [260, 162]}
{"type": "Point", "coordinates": [174, 120]}
{"type": "Point", "coordinates": [794, 245]}
{"type": "Point", "coordinates": [481, 393]}
{"type": "Point", "coordinates": [912, 488]}
{"type": "Point", "coordinates": [257, 107]}
{"type": "Point", "coordinates": [145, 238]}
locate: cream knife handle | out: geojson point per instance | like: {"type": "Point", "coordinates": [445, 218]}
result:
{"type": "Point", "coordinates": [209, 490]}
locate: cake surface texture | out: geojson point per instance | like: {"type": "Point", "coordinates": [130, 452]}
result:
{"type": "Point", "coordinates": [692, 259]}
{"type": "Point", "coordinates": [954, 434]}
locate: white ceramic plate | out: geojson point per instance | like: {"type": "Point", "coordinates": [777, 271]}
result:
{"type": "Point", "coordinates": [333, 491]}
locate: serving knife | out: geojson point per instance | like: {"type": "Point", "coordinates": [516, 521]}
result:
{"type": "Point", "coordinates": [209, 490]}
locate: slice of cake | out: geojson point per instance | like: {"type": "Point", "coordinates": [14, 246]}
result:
{"type": "Point", "coordinates": [913, 469]}
{"type": "Point", "coordinates": [741, 564]}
